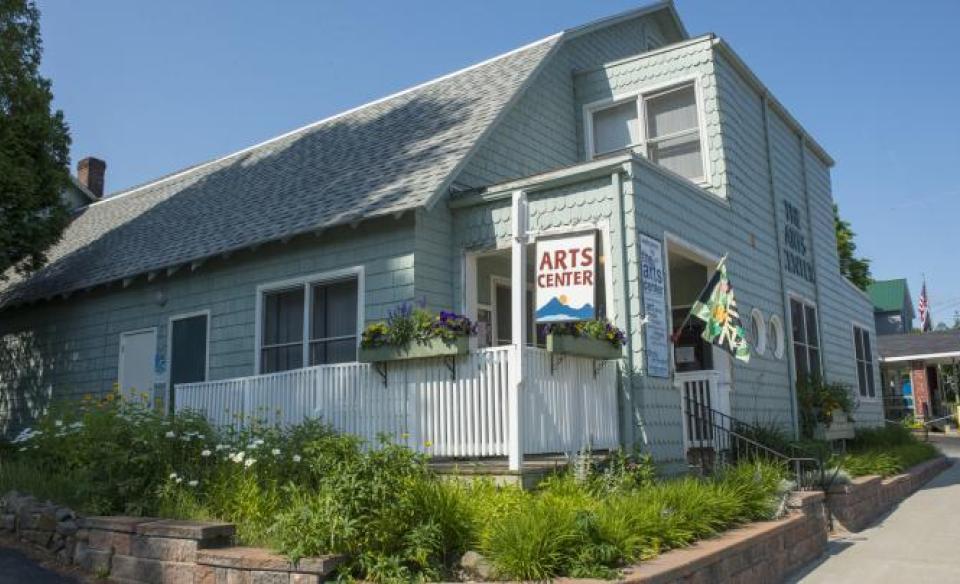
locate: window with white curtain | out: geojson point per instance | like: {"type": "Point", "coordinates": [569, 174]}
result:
{"type": "Point", "coordinates": [669, 135]}
{"type": "Point", "coordinates": [328, 313]}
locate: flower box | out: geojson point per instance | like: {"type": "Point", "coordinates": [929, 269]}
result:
{"type": "Point", "coordinates": [415, 350]}
{"type": "Point", "coordinates": [582, 347]}
{"type": "Point", "coordinates": [837, 430]}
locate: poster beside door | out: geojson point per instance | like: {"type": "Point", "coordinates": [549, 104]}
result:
{"type": "Point", "coordinates": [656, 339]}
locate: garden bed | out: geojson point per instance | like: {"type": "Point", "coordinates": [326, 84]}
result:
{"type": "Point", "coordinates": [307, 491]}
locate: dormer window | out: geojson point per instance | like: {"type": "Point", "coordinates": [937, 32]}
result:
{"type": "Point", "coordinates": [668, 135]}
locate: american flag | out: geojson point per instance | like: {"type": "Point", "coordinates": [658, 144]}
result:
{"type": "Point", "coordinates": [923, 309]}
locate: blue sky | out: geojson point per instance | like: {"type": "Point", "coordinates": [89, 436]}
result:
{"type": "Point", "coordinates": [154, 87]}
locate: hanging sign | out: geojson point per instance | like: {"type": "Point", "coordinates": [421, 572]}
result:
{"type": "Point", "coordinates": [656, 344]}
{"type": "Point", "coordinates": [566, 275]}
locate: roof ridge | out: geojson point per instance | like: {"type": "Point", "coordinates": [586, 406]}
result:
{"type": "Point", "coordinates": [304, 128]}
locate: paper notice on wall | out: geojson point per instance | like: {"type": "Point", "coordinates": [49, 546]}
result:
{"type": "Point", "coordinates": [566, 271]}
{"type": "Point", "coordinates": [656, 337]}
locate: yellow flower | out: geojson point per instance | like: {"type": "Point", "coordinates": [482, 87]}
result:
{"type": "Point", "coordinates": [427, 443]}
{"type": "Point", "coordinates": [720, 313]}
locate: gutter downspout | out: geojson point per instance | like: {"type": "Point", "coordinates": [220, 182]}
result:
{"type": "Point", "coordinates": [791, 375]}
{"type": "Point", "coordinates": [626, 378]}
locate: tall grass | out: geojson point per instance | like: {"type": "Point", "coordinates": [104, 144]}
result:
{"type": "Point", "coordinates": [884, 451]}
{"type": "Point", "coordinates": [308, 491]}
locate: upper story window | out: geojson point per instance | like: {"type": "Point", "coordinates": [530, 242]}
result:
{"type": "Point", "coordinates": [864, 356]}
{"type": "Point", "coordinates": [806, 340]}
{"type": "Point", "coordinates": [325, 311]}
{"type": "Point", "coordinates": [668, 135]}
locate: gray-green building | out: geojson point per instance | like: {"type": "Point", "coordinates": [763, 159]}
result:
{"type": "Point", "coordinates": [250, 276]}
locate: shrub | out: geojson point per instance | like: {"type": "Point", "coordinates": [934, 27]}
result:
{"type": "Point", "coordinates": [884, 451]}
{"type": "Point", "coordinates": [820, 401]}
{"type": "Point", "coordinates": [306, 490]}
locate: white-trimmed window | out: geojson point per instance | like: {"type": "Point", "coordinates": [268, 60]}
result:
{"type": "Point", "coordinates": [326, 309]}
{"type": "Point", "coordinates": [758, 331]}
{"type": "Point", "coordinates": [668, 135]}
{"type": "Point", "coordinates": [775, 336]}
{"type": "Point", "coordinates": [864, 357]}
{"type": "Point", "coordinates": [806, 339]}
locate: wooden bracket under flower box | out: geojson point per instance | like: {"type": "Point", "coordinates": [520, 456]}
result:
{"type": "Point", "coordinates": [837, 430]}
{"type": "Point", "coordinates": [380, 356]}
{"type": "Point", "coordinates": [596, 349]}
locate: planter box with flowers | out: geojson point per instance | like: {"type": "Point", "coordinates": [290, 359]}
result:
{"type": "Point", "coordinates": [415, 333]}
{"type": "Point", "coordinates": [594, 339]}
{"type": "Point", "coordinates": [825, 409]}
{"type": "Point", "coordinates": [838, 429]}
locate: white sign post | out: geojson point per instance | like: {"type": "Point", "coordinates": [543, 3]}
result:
{"type": "Point", "coordinates": [656, 344]}
{"type": "Point", "coordinates": [566, 278]}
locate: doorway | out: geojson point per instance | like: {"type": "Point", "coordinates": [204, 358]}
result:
{"type": "Point", "coordinates": [701, 370]}
{"type": "Point", "coordinates": [188, 350]}
{"type": "Point", "coordinates": [138, 352]}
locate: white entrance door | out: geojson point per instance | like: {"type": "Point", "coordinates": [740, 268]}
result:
{"type": "Point", "coordinates": [138, 350]}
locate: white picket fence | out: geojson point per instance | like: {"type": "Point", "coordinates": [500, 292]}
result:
{"type": "Point", "coordinates": [425, 406]}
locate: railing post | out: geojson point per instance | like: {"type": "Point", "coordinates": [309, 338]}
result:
{"type": "Point", "coordinates": [518, 294]}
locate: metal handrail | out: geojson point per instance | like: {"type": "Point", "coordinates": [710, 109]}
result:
{"type": "Point", "coordinates": [719, 430]}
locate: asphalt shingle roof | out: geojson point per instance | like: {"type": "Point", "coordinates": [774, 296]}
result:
{"type": "Point", "coordinates": [892, 346]}
{"type": "Point", "coordinates": [382, 158]}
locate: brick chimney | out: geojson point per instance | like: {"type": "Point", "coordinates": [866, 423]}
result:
{"type": "Point", "coordinates": [90, 173]}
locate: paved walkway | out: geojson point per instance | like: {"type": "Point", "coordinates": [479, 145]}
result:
{"type": "Point", "coordinates": [16, 568]}
{"type": "Point", "coordinates": [918, 542]}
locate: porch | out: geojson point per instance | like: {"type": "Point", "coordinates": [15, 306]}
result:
{"type": "Point", "coordinates": [455, 408]}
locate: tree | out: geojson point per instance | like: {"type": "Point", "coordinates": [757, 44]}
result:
{"type": "Point", "coordinates": [34, 145]}
{"type": "Point", "coordinates": [857, 270]}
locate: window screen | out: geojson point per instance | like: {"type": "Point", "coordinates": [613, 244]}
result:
{"type": "Point", "coordinates": [282, 347]}
{"type": "Point", "coordinates": [615, 128]}
{"type": "Point", "coordinates": [331, 315]}
{"type": "Point", "coordinates": [333, 331]}
{"type": "Point", "coordinates": [673, 132]}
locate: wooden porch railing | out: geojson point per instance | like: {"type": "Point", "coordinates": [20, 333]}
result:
{"type": "Point", "coordinates": [462, 411]}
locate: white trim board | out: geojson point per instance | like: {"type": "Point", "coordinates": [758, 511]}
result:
{"type": "Point", "coordinates": [920, 357]}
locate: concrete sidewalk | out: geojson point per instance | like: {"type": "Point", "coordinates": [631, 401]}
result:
{"type": "Point", "coordinates": [917, 542]}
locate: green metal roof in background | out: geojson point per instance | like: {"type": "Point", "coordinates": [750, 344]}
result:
{"type": "Point", "coordinates": [889, 295]}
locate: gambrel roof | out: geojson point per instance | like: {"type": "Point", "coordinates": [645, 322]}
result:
{"type": "Point", "coordinates": [395, 154]}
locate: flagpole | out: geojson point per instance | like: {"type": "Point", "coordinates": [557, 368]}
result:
{"type": "Point", "coordinates": [676, 332]}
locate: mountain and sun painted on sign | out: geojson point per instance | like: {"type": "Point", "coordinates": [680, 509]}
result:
{"type": "Point", "coordinates": [559, 309]}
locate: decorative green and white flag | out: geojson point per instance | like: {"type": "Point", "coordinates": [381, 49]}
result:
{"type": "Point", "coordinates": [718, 309]}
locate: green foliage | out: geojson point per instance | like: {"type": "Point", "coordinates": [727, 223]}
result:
{"type": "Point", "coordinates": [857, 270]}
{"type": "Point", "coordinates": [34, 145]}
{"type": "Point", "coordinates": [769, 433]}
{"type": "Point", "coordinates": [599, 329]}
{"type": "Point", "coordinates": [306, 491]}
{"type": "Point", "coordinates": [884, 451]}
{"type": "Point", "coordinates": [820, 401]}
{"type": "Point", "coordinates": [406, 324]}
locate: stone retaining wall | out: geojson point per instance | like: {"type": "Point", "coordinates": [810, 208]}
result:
{"type": "Point", "coordinates": [145, 550]}
{"type": "Point", "coordinates": [857, 504]}
{"type": "Point", "coordinates": [139, 550]}
{"type": "Point", "coordinates": [758, 553]}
